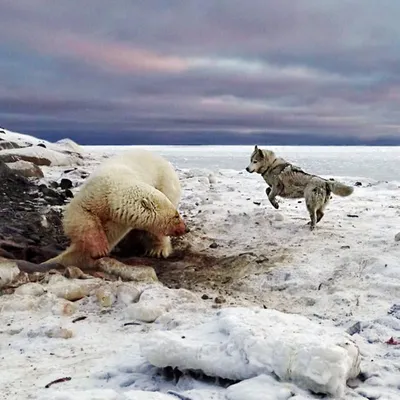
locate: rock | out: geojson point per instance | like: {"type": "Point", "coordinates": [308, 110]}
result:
{"type": "Point", "coordinates": [395, 311]}
{"type": "Point", "coordinates": [127, 294]}
{"type": "Point", "coordinates": [205, 297]}
{"type": "Point", "coordinates": [67, 171]}
{"type": "Point", "coordinates": [8, 272]}
{"type": "Point", "coordinates": [352, 215]}
{"type": "Point", "coordinates": [6, 145]}
{"type": "Point", "coordinates": [105, 295]}
{"type": "Point", "coordinates": [40, 156]}
{"type": "Point", "coordinates": [353, 329]}
{"type": "Point", "coordinates": [156, 301]}
{"type": "Point", "coordinates": [31, 289]}
{"type": "Point", "coordinates": [26, 169]}
{"type": "Point", "coordinates": [52, 196]}
{"type": "Point", "coordinates": [75, 273]}
{"type": "Point", "coordinates": [397, 237]}
{"type": "Point", "coordinates": [68, 194]}
{"type": "Point", "coordinates": [358, 184]}
{"type": "Point", "coordinates": [257, 203]}
{"type": "Point", "coordinates": [145, 312]}
{"type": "Point", "coordinates": [59, 333]}
{"type": "Point", "coordinates": [213, 245]}
{"type": "Point", "coordinates": [64, 307]}
{"type": "Point", "coordinates": [69, 145]}
{"type": "Point", "coordinates": [19, 303]}
{"type": "Point", "coordinates": [65, 184]}
{"type": "Point", "coordinates": [219, 300]}
{"type": "Point", "coordinates": [8, 175]}
{"type": "Point", "coordinates": [66, 289]}
{"type": "Point", "coordinates": [41, 145]}
{"type": "Point", "coordinates": [126, 272]}
{"type": "Point", "coordinates": [13, 157]}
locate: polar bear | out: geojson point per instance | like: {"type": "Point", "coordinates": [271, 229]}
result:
{"type": "Point", "coordinates": [134, 190]}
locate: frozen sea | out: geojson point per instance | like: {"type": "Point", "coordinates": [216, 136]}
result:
{"type": "Point", "coordinates": [378, 163]}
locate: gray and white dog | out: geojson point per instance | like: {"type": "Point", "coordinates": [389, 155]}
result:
{"type": "Point", "coordinates": [291, 182]}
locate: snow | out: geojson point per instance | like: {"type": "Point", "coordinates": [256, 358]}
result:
{"type": "Point", "coordinates": [345, 275]}
{"type": "Point", "coordinates": [62, 153]}
{"type": "Point", "coordinates": [20, 138]}
{"type": "Point", "coordinates": [56, 158]}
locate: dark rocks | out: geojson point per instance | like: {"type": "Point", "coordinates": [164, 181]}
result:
{"type": "Point", "coordinates": [355, 328]}
{"type": "Point", "coordinates": [213, 245]}
{"type": "Point", "coordinates": [52, 196]}
{"type": "Point", "coordinates": [47, 191]}
{"type": "Point", "coordinates": [397, 237]}
{"type": "Point", "coordinates": [395, 311]}
{"type": "Point", "coordinates": [352, 215]}
{"type": "Point", "coordinates": [26, 169]}
{"type": "Point", "coordinates": [6, 145]}
{"type": "Point", "coordinates": [219, 300]}
{"type": "Point", "coordinates": [42, 145]}
{"type": "Point", "coordinates": [358, 184]}
{"type": "Point", "coordinates": [12, 157]}
{"type": "Point", "coordinates": [67, 171]}
{"type": "Point", "coordinates": [27, 226]}
{"type": "Point", "coordinates": [65, 184]}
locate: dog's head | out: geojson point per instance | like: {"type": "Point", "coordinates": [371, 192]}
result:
{"type": "Point", "coordinates": [260, 159]}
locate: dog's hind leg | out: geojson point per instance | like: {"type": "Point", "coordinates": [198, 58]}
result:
{"type": "Point", "coordinates": [313, 217]}
{"type": "Point", "coordinates": [320, 214]}
{"type": "Point", "coordinates": [311, 204]}
{"type": "Point", "coordinates": [320, 211]}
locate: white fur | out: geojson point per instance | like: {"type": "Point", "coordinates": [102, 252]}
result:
{"type": "Point", "coordinates": [134, 190]}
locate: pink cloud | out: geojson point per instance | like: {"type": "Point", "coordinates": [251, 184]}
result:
{"type": "Point", "coordinates": [117, 57]}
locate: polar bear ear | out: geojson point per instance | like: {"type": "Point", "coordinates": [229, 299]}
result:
{"type": "Point", "coordinates": [147, 204]}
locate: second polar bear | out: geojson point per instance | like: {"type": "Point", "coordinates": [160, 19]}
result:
{"type": "Point", "coordinates": [135, 190]}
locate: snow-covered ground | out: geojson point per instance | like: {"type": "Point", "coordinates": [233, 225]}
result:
{"type": "Point", "coordinates": [345, 275]}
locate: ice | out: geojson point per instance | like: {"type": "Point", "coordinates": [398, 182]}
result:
{"type": "Point", "coordinates": [240, 343]}
{"type": "Point", "coordinates": [262, 387]}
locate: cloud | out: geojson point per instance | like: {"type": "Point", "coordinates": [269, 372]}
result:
{"type": "Point", "coordinates": [325, 68]}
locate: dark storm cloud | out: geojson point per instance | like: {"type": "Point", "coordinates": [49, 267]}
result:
{"type": "Point", "coordinates": [318, 67]}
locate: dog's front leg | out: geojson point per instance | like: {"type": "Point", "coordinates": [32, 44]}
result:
{"type": "Point", "coordinates": [271, 193]}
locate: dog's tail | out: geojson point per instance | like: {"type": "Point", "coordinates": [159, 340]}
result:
{"type": "Point", "coordinates": [340, 189]}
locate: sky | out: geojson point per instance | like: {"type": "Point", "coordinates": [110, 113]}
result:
{"type": "Point", "coordinates": [201, 71]}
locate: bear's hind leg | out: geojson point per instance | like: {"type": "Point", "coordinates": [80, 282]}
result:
{"type": "Point", "coordinates": [88, 237]}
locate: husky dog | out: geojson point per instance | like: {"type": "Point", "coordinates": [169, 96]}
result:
{"type": "Point", "coordinates": [291, 182]}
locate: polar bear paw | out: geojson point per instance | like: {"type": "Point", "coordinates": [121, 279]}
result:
{"type": "Point", "coordinates": [161, 248]}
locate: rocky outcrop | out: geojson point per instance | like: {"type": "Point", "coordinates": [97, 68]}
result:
{"type": "Point", "coordinates": [28, 226]}
{"type": "Point", "coordinates": [6, 145]}
{"type": "Point", "coordinates": [39, 155]}
{"type": "Point", "coordinates": [26, 169]}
